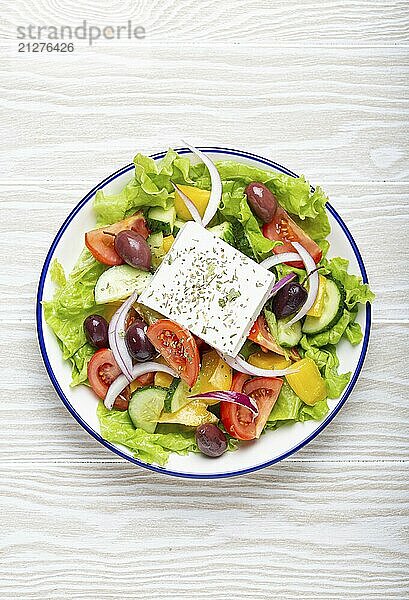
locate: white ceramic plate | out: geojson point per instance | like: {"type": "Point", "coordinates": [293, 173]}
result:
{"type": "Point", "coordinates": [80, 401]}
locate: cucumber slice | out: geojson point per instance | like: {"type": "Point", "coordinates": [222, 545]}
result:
{"type": "Point", "coordinates": [120, 282]}
{"type": "Point", "coordinates": [224, 231]}
{"type": "Point", "coordinates": [288, 336]}
{"type": "Point", "coordinates": [161, 220]}
{"type": "Point", "coordinates": [177, 395]}
{"type": "Point", "coordinates": [155, 243]}
{"type": "Point", "coordinates": [178, 226]}
{"type": "Point", "coordinates": [331, 313]}
{"type": "Point", "coordinates": [146, 406]}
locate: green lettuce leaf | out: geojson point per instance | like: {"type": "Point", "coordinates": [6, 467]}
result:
{"type": "Point", "coordinates": [324, 245]}
{"type": "Point", "coordinates": [290, 409]}
{"type": "Point", "coordinates": [73, 301]}
{"type": "Point", "coordinates": [327, 361]}
{"type": "Point", "coordinates": [354, 333]}
{"type": "Point", "coordinates": [293, 194]}
{"type": "Point", "coordinates": [79, 361]}
{"type": "Point", "coordinates": [355, 290]}
{"type": "Point", "coordinates": [316, 412]}
{"type": "Point", "coordinates": [345, 326]}
{"type": "Point", "coordinates": [287, 406]}
{"type": "Point", "coordinates": [333, 335]}
{"type": "Point", "coordinates": [317, 228]}
{"type": "Point", "coordinates": [176, 168]}
{"type": "Point", "coordinates": [150, 186]}
{"type": "Point", "coordinates": [117, 427]}
{"type": "Point", "coordinates": [57, 273]}
{"type": "Point", "coordinates": [249, 238]}
{"type": "Point", "coordinates": [283, 270]}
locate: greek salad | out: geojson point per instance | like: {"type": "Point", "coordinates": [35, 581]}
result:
{"type": "Point", "coordinates": [203, 310]}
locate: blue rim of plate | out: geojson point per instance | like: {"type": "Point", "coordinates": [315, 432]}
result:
{"type": "Point", "coordinates": [157, 469]}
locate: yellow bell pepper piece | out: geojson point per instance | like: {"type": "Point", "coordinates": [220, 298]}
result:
{"type": "Point", "coordinates": [163, 379]}
{"type": "Point", "coordinates": [268, 360]}
{"type": "Point", "coordinates": [167, 243]}
{"type": "Point", "coordinates": [134, 385]}
{"type": "Point", "coordinates": [318, 306]}
{"type": "Point", "coordinates": [307, 383]}
{"type": "Point", "coordinates": [193, 414]}
{"type": "Point", "coordinates": [215, 374]}
{"type": "Point", "coordinates": [200, 199]}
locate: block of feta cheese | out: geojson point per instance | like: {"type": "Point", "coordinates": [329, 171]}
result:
{"type": "Point", "coordinates": [210, 288]}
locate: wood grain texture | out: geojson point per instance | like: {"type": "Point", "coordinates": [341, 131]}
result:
{"type": "Point", "coordinates": [331, 534]}
{"type": "Point", "coordinates": [320, 87]}
{"type": "Point", "coordinates": [335, 115]}
{"type": "Point", "coordinates": [250, 22]}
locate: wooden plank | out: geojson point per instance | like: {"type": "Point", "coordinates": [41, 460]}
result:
{"type": "Point", "coordinates": [373, 425]}
{"type": "Point", "coordinates": [377, 215]}
{"type": "Point", "coordinates": [234, 21]}
{"type": "Point", "coordinates": [333, 114]}
{"type": "Point", "coordinates": [294, 531]}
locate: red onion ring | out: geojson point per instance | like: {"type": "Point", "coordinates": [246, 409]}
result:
{"type": "Point", "coordinates": [216, 183]}
{"type": "Point", "coordinates": [277, 259]}
{"type": "Point", "coordinates": [231, 396]}
{"type": "Point", "coordinates": [313, 284]}
{"type": "Point", "coordinates": [116, 337]}
{"type": "Point", "coordinates": [189, 204]}
{"type": "Point", "coordinates": [280, 284]}
{"type": "Point", "coordinates": [239, 364]}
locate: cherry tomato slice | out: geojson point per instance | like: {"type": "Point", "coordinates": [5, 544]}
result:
{"type": "Point", "coordinates": [283, 229]}
{"type": "Point", "coordinates": [101, 245]}
{"type": "Point", "coordinates": [102, 371]}
{"type": "Point", "coordinates": [178, 347]}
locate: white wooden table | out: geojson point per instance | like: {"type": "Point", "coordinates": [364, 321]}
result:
{"type": "Point", "coordinates": [320, 87]}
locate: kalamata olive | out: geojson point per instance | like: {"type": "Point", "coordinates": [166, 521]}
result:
{"type": "Point", "coordinates": [211, 440]}
{"type": "Point", "coordinates": [133, 249]}
{"type": "Point", "coordinates": [96, 331]}
{"type": "Point", "coordinates": [139, 346]}
{"type": "Point", "coordinates": [261, 201]}
{"type": "Point", "coordinates": [289, 299]}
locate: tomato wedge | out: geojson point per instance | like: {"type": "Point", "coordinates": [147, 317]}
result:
{"type": "Point", "coordinates": [260, 334]}
{"type": "Point", "coordinates": [239, 379]}
{"type": "Point", "coordinates": [283, 229]}
{"type": "Point", "coordinates": [178, 347]}
{"type": "Point", "coordinates": [102, 371]}
{"type": "Point", "coordinates": [265, 391]}
{"type": "Point", "coordinates": [101, 245]}
{"type": "Point", "coordinates": [237, 420]}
